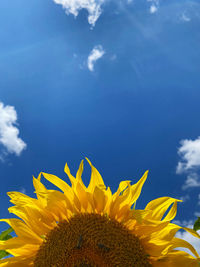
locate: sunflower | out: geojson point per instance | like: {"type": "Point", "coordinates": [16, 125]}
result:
{"type": "Point", "coordinates": [89, 226]}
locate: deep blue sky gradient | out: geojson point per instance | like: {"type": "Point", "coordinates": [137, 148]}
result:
{"type": "Point", "coordinates": [127, 116]}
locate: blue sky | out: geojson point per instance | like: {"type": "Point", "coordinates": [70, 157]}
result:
{"type": "Point", "coordinates": [121, 89]}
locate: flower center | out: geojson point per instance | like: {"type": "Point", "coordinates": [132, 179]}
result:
{"type": "Point", "coordinates": [91, 240]}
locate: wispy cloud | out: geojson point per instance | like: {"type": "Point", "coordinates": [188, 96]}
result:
{"type": "Point", "coordinates": [184, 223]}
{"type": "Point", "coordinates": [22, 190]}
{"type": "Point", "coordinates": [189, 163]}
{"type": "Point", "coordinates": [74, 6]}
{"type": "Point", "coordinates": [192, 180]}
{"type": "Point", "coordinates": [175, 11]}
{"type": "Point", "coordinates": [185, 198]}
{"type": "Point", "coordinates": [96, 53]}
{"type": "Point", "coordinates": [113, 57]}
{"type": "Point", "coordinates": [185, 17]}
{"type": "Point", "coordinates": [9, 131]}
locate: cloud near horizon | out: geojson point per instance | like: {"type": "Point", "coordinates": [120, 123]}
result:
{"type": "Point", "coordinates": [74, 6]}
{"type": "Point", "coordinates": [9, 132]}
{"type": "Point", "coordinates": [189, 163]}
{"type": "Point", "coordinates": [96, 53]}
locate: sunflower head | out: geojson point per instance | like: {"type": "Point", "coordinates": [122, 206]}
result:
{"type": "Point", "coordinates": [90, 226]}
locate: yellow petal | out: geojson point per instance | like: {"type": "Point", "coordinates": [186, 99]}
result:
{"type": "Point", "coordinates": [149, 227]}
{"type": "Point", "coordinates": [175, 259]}
{"type": "Point", "coordinates": [129, 196]}
{"type": "Point", "coordinates": [11, 243]}
{"type": "Point", "coordinates": [39, 187]}
{"type": "Point", "coordinates": [82, 196]}
{"type": "Point", "coordinates": [192, 232]}
{"type": "Point", "coordinates": [22, 230]}
{"type": "Point", "coordinates": [108, 194]}
{"type": "Point", "coordinates": [17, 262]}
{"type": "Point", "coordinates": [79, 175]}
{"type": "Point", "coordinates": [100, 199]}
{"type": "Point", "coordinates": [59, 183]}
{"type": "Point", "coordinates": [122, 186]}
{"type": "Point", "coordinates": [172, 213]}
{"type": "Point", "coordinates": [96, 179]}
{"type": "Point", "coordinates": [155, 247]}
{"type": "Point", "coordinates": [159, 206]}
{"type": "Point", "coordinates": [180, 243]}
{"type": "Point", "coordinates": [25, 250]}
{"type": "Point", "coordinates": [31, 217]}
{"type": "Point", "coordinates": [71, 177]}
{"type": "Point", "coordinates": [20, 199]}
{"type": "Point", "coordinates": [57, 204]}
{"type": "Point", "coordinates": [136, 188]}
{"type": "Point", "coordinates": [30, 211]}
{"type": "Point", "coordinates": [167, 233]}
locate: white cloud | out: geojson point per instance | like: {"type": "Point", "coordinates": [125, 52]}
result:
{"type": "Point", "coordinates": [194, 241]}
{"type": "Point", "coordinates": [153, 9]}
{"type": "Point", "coordinates": [96, 53]}
{"type": "Point", "coordinates": [154, 6]}
{"type": "Point", "coordinates": [9, 132]}
{"type": "Point", "coordinates": [74, 6]}
{"type": "Point", "coordinates": [190, 154]}
{"type": "Point", "coordinates": [189, 163]}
